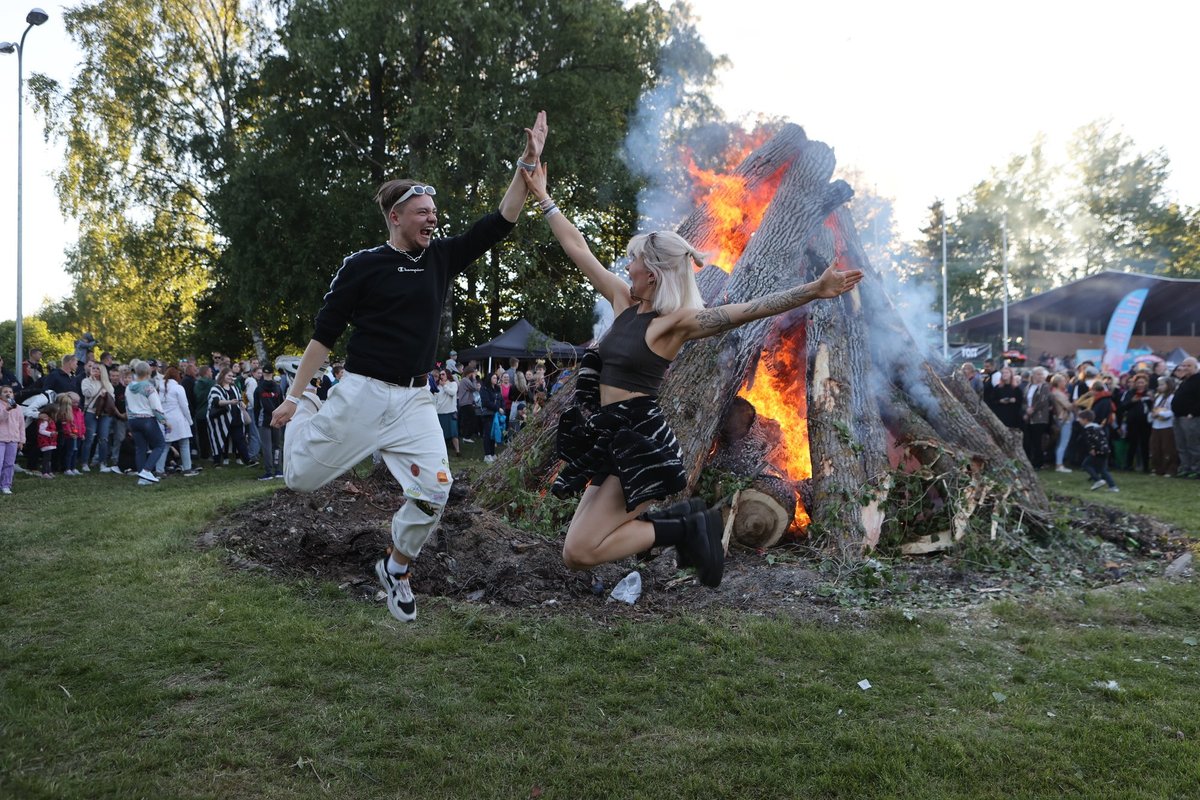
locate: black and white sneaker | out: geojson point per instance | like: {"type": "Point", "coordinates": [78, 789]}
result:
{"type": "Point", "coordinates": [399, 593]}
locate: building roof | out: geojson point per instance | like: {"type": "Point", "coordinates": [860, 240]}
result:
{"type": "Point", "coordinates": [1173, 301]}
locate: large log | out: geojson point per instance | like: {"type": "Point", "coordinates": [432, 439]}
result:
{"type": "Point", "coordinates": [944, 400]}
{"type": "Point", "coordinates": [850, 478]}
{"type": "Point", "coordinates": [757, 170]}
{"type": "Point", "coordinates": [708, 372]}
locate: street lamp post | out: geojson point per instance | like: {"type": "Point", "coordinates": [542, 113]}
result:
{"type": "Point", "coordinates": [36, 16]}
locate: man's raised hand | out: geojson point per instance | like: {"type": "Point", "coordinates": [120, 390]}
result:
{"type": "Point", "coordinates": [535, 139]}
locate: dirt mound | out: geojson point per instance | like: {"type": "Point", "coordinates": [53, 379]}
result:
{"type": "Point", "coordinates": [337, 533]}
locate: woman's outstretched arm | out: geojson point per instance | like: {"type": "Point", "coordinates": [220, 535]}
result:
{"type": "Point", "coordinates": [697, 324]}
{"type": "Point", "coordinates": [575, 246]}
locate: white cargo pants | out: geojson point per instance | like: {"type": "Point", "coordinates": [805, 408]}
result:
{"type": "Point", "coordinates": [360, 416]}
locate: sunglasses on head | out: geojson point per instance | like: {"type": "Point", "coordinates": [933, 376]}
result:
{"type": "Point", "coordinates": [418, 190]}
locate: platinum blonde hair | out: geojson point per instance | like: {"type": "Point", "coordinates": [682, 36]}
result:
{"type": "Point", "coordinates": [669, 258]}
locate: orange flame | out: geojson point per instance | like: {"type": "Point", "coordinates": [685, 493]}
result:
{"type": "Point", "coordinates": [736, 210]}
{"type": "Point", "coordinates": [778, 391]}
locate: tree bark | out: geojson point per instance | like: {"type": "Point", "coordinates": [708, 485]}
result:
{"type": "Point", "coordinates": [850, 470]}
{"type": "Point", "coordinates": [708, 372]}
{"type": "Point", "coordinates": [757, 170]}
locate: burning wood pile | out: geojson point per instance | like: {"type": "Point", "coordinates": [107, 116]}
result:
{"type": "Point", "coordinates": [821, 429]}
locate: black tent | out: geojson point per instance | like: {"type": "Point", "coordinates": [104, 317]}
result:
{"type": "Point", "coordinates": [522, 341]}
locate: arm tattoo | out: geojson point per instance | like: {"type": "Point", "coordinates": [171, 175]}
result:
{"type": "Point", "coordinates": [714, 320]}
{"type": "Point", "coordinates": [778, 302]}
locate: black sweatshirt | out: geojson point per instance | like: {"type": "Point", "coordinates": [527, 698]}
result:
{"type": "Point", "coordinates": [1187, 397]}
{"type": "Point", "coordinates": [395, 303]}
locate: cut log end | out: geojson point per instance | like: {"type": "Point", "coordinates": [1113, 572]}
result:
{"type": "Point", "coordinates": [764, 513]}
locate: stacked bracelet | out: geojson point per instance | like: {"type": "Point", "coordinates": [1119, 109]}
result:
{"type": "Point", "coordinates": [526, 166]}
{"type": "Point", "coordinates": [547, 207]}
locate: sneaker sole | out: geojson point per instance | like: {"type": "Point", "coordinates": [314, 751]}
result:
{"type": "Point", "coordinates": [394, 608]}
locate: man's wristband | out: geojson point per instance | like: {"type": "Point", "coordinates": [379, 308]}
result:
{"type": "Point", "coordinates": [289, 398]}
{"type": "Point", "coordinates": [526, 166]}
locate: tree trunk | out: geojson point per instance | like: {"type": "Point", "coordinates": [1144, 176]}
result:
{"type": "Point", "coordinates": [850, 478]}
{"type": "Point", "coordinates": [260, 344]}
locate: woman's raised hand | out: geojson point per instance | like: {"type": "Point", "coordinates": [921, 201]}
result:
{"type": "Point", "coordinates": [834, 281]}
{"type": "Point", "coordinates": [536, 182]}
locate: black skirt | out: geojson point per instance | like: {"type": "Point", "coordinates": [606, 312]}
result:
{"type": "Point", "coordinates": [630, 439]}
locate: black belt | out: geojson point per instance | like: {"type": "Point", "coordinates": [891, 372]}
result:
{"type": "Point", "coordinates": [415, 382]}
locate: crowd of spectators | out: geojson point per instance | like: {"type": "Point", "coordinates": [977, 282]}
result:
{"type": "Point", "coordinates": [1146, 419]}
{"type": "Point", "coordinates": [492, 405]}
{"type": "Point", "coordinates": [144, 418]}
{"type": "Point", "coordinates": [151, 420]}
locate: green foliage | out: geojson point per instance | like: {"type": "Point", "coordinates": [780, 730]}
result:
{"type": "Point", "coordinates": [151, 122]}
{"type": "Point", "coordinates": [34, 333]}
{"type": "Point", "coordinates": [1105, 208]}
{"type": "Point", "coordinates": [220, 169]}
{"type": "Point", "coordinates": [1120, 197]}
{"type": "Point", "coordinates": [441, 97]}
{"type": "Point", "coordinates": [714, 484]}
{"type": "Point", "coordinates": [543, 514]}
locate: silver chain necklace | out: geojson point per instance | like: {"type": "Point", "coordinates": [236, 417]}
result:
{"type": "Point", "coordinates": [405, 253]}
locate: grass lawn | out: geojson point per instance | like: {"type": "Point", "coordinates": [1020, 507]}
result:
{"type": "Point", "coordinates": [1173, 500]}
{"type": "Point", "coordinates": [134, 664]}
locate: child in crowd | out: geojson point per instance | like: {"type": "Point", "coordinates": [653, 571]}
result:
{"type": "Point", "coordinates": [47, 441]}
{"type": "Point", "coordinates": [1095, 463]}
{"type": "Point", "coordinates": [78, 430]}
{"type": "Point", "coordinates": [64, 420]}
{"type": "Point", "coordinates": [12, 436]}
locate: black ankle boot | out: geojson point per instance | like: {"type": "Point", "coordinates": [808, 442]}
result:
{"type": "Point", "coordinates": [702, 547]}
{"type": "Point", "coordinates": [674, 511]}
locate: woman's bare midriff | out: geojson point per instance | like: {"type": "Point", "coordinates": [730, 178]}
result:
{"type": "Point", "coordinates": [611, 394]}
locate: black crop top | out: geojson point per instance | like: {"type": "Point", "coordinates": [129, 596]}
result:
{"type": "Point", "coordinates": [628, 362]}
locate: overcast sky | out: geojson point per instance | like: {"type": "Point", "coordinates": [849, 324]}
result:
{"type": "Point", "coordinates": [921, 97]}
